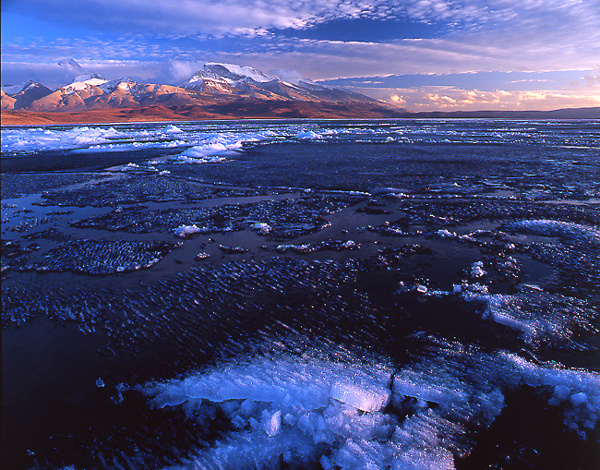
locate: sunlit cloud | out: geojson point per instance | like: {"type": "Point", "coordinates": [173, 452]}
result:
{"type": "Point", "coordinates": [456, 99]}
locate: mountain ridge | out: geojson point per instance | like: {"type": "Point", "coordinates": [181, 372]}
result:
{"type": "Point", "coordinates": [216, 91]}
{"type": "Point", "coordinates": [214, 85]}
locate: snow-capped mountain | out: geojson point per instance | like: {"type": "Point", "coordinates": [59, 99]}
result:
{"type": "Point", "coordinates": [234, 79]}
{"type": "Point", "coordinates": [21, 96]}
{"type": "Point", "coordinates": [84, 83]}
{"type": "Point", "coordinates": [227, 75]}
{"type": "Point", "coordinates": [224, 79]}
{"type": "Point", "coordinates": [217, 90]}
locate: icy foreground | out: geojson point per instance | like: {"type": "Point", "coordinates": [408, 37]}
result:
{"type": "Point", "coordinates": [352, 413]}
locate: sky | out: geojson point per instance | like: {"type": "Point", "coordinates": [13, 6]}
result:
{"type": "Point", "coordinates": [422, 55]}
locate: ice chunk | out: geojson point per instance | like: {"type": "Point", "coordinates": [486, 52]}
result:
{"type": "Point", "coordinates": [185, 231]}
{"type": "Point", "coordinates": [359, 454]}
{"type": "Point", "coordinates": [578, 399]}
{"type": "Point", "coordinates": [171, 129]}
{"type": "Point", "coordinates": [477, 270]}
{"type": "Point", "coordinates": [561, 392]}
{"type": "Point", "coordinates": [271, 422]}
{"type": "Point", "coordinates": [412, 384]}
{"type": "Point", "coordinates": [362, 397]}
{"type": "Point", "coordinates": [308, 135]}
{"type": "Point", "coordinates": [445, 234]}
{"type": "Point", "coordinates": [292, 407]}
{"type": "Point", "coordinates": [540, 316]}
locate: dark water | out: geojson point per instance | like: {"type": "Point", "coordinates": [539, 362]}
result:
{"type": "Point", "coordinates": [392, 294]}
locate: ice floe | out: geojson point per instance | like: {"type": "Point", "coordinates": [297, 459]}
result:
{"type": "Point", "coordinates": [356, 414]}
{"type": "Point", "coordinates": [539, 316]}
{"type": "Point", "coordinates": [35, 139]}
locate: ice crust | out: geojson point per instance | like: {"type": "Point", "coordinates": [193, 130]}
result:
{"type": "Point", "coordinates": [554, 228]}
{"type": "Point", "coordinates": [163, 136]}
{"type": "Point", "coordinates": [196, 143]}
{"type": "Point", "coordinates": [539, 316]}
{"type": "Point", "coordinates": [356, 414]}
{"type": "Point", "coordinates": [50, 139]}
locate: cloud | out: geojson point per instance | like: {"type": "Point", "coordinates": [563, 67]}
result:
{"type": "Point", "coordinates": [178, 71]}
{"type": "Point", "coordinates": [456, 99]}
{"type": "Point", "coordinates": [169, 41]}
{"type": "Point", "coordinates": [71, 65]}
{"type": "Point", "coordinates": [478, 35]}
{"type": "Point", "coordinates": [398, 100]}
{"type": "Point", "coordinates": [592, 79]}
{"type": "Point", "coordinates": [256, 17]}
{"type": "Point", "coordinates": [54, 76]}
{"type": "Point", "coordinates": [290, 76]}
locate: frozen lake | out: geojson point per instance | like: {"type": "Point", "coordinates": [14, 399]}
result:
{"type": "Point", "coordinates": [318, 294]}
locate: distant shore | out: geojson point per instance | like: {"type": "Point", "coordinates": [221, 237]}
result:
{"type": "Point", "coordinates": [164, 114]}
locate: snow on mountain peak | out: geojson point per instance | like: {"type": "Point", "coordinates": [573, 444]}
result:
{"type": "Point", "coordinates": [83, 82]}
{"type": "Point", "coordinates": [124, 84]}
{"type": "Point", "coordinates": [238, 72]}
{"type": "Point", "coordinates": [16, 89]}
{"type": "Point", "coordinates": [90, 79]}
{"type": "Point", "coordinates": [227, 74]}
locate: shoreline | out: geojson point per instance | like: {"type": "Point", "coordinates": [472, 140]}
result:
{"type": "Point", "coordinates": [11, 118]}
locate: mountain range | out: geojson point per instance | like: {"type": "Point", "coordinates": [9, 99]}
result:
{"type": "Point", "coordinates": [216, 91]}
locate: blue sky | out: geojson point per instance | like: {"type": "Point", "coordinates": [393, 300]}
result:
{"type": "Point", "coordinates": [419, 54]}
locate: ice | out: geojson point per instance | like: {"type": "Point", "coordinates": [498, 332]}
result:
{"type": "Point", "coordinates": [308, 135]}
{"type": "Point", "coordinates": [252, 449]}
{"type": "Point", "coordinates": [361, 396]}
{"type": "Point", "coordinates": [185, 231]}
{"type": "Point", "coordinates": [195, 143]}
{"type": "Point", "coordinates": [578, 399]}
{"type": "Point", "coordinates": [130, 166]}
{"type": "Point", "coordinates": [581, 389]}
{"type": "Point", "coordinates": [444, 233]}
{"type": "Point", "coordinates": [561, 393]}
{"type": "Point", "coordinates": [284, 403]}
{"type": "Point", "coordinates": [553, 228]}
{"type": "Point", "coordinates": [212, 148]}
{"type": "Point", "coordinates": [271, 422]}
{"type": "Point", "coordinates": [411, 384]}
{"type": "Point", "coordinates": [477, 270]}
{"type": "Point", "coordinates": [171, 129]}
{"type": "Point", "coordinates": [424, 459]}
{"type": "Point", "coordinates": [347, 413]}
{"type": "Point", "coordinates": [262, 227]}
{"type": "Point", "coordinates": [34, 139]}
{"type": "Point", "coordinates": [538, 315]}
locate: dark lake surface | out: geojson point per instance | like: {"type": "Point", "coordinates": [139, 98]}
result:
{"type": "Point", "coordinates": [302, 294]}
